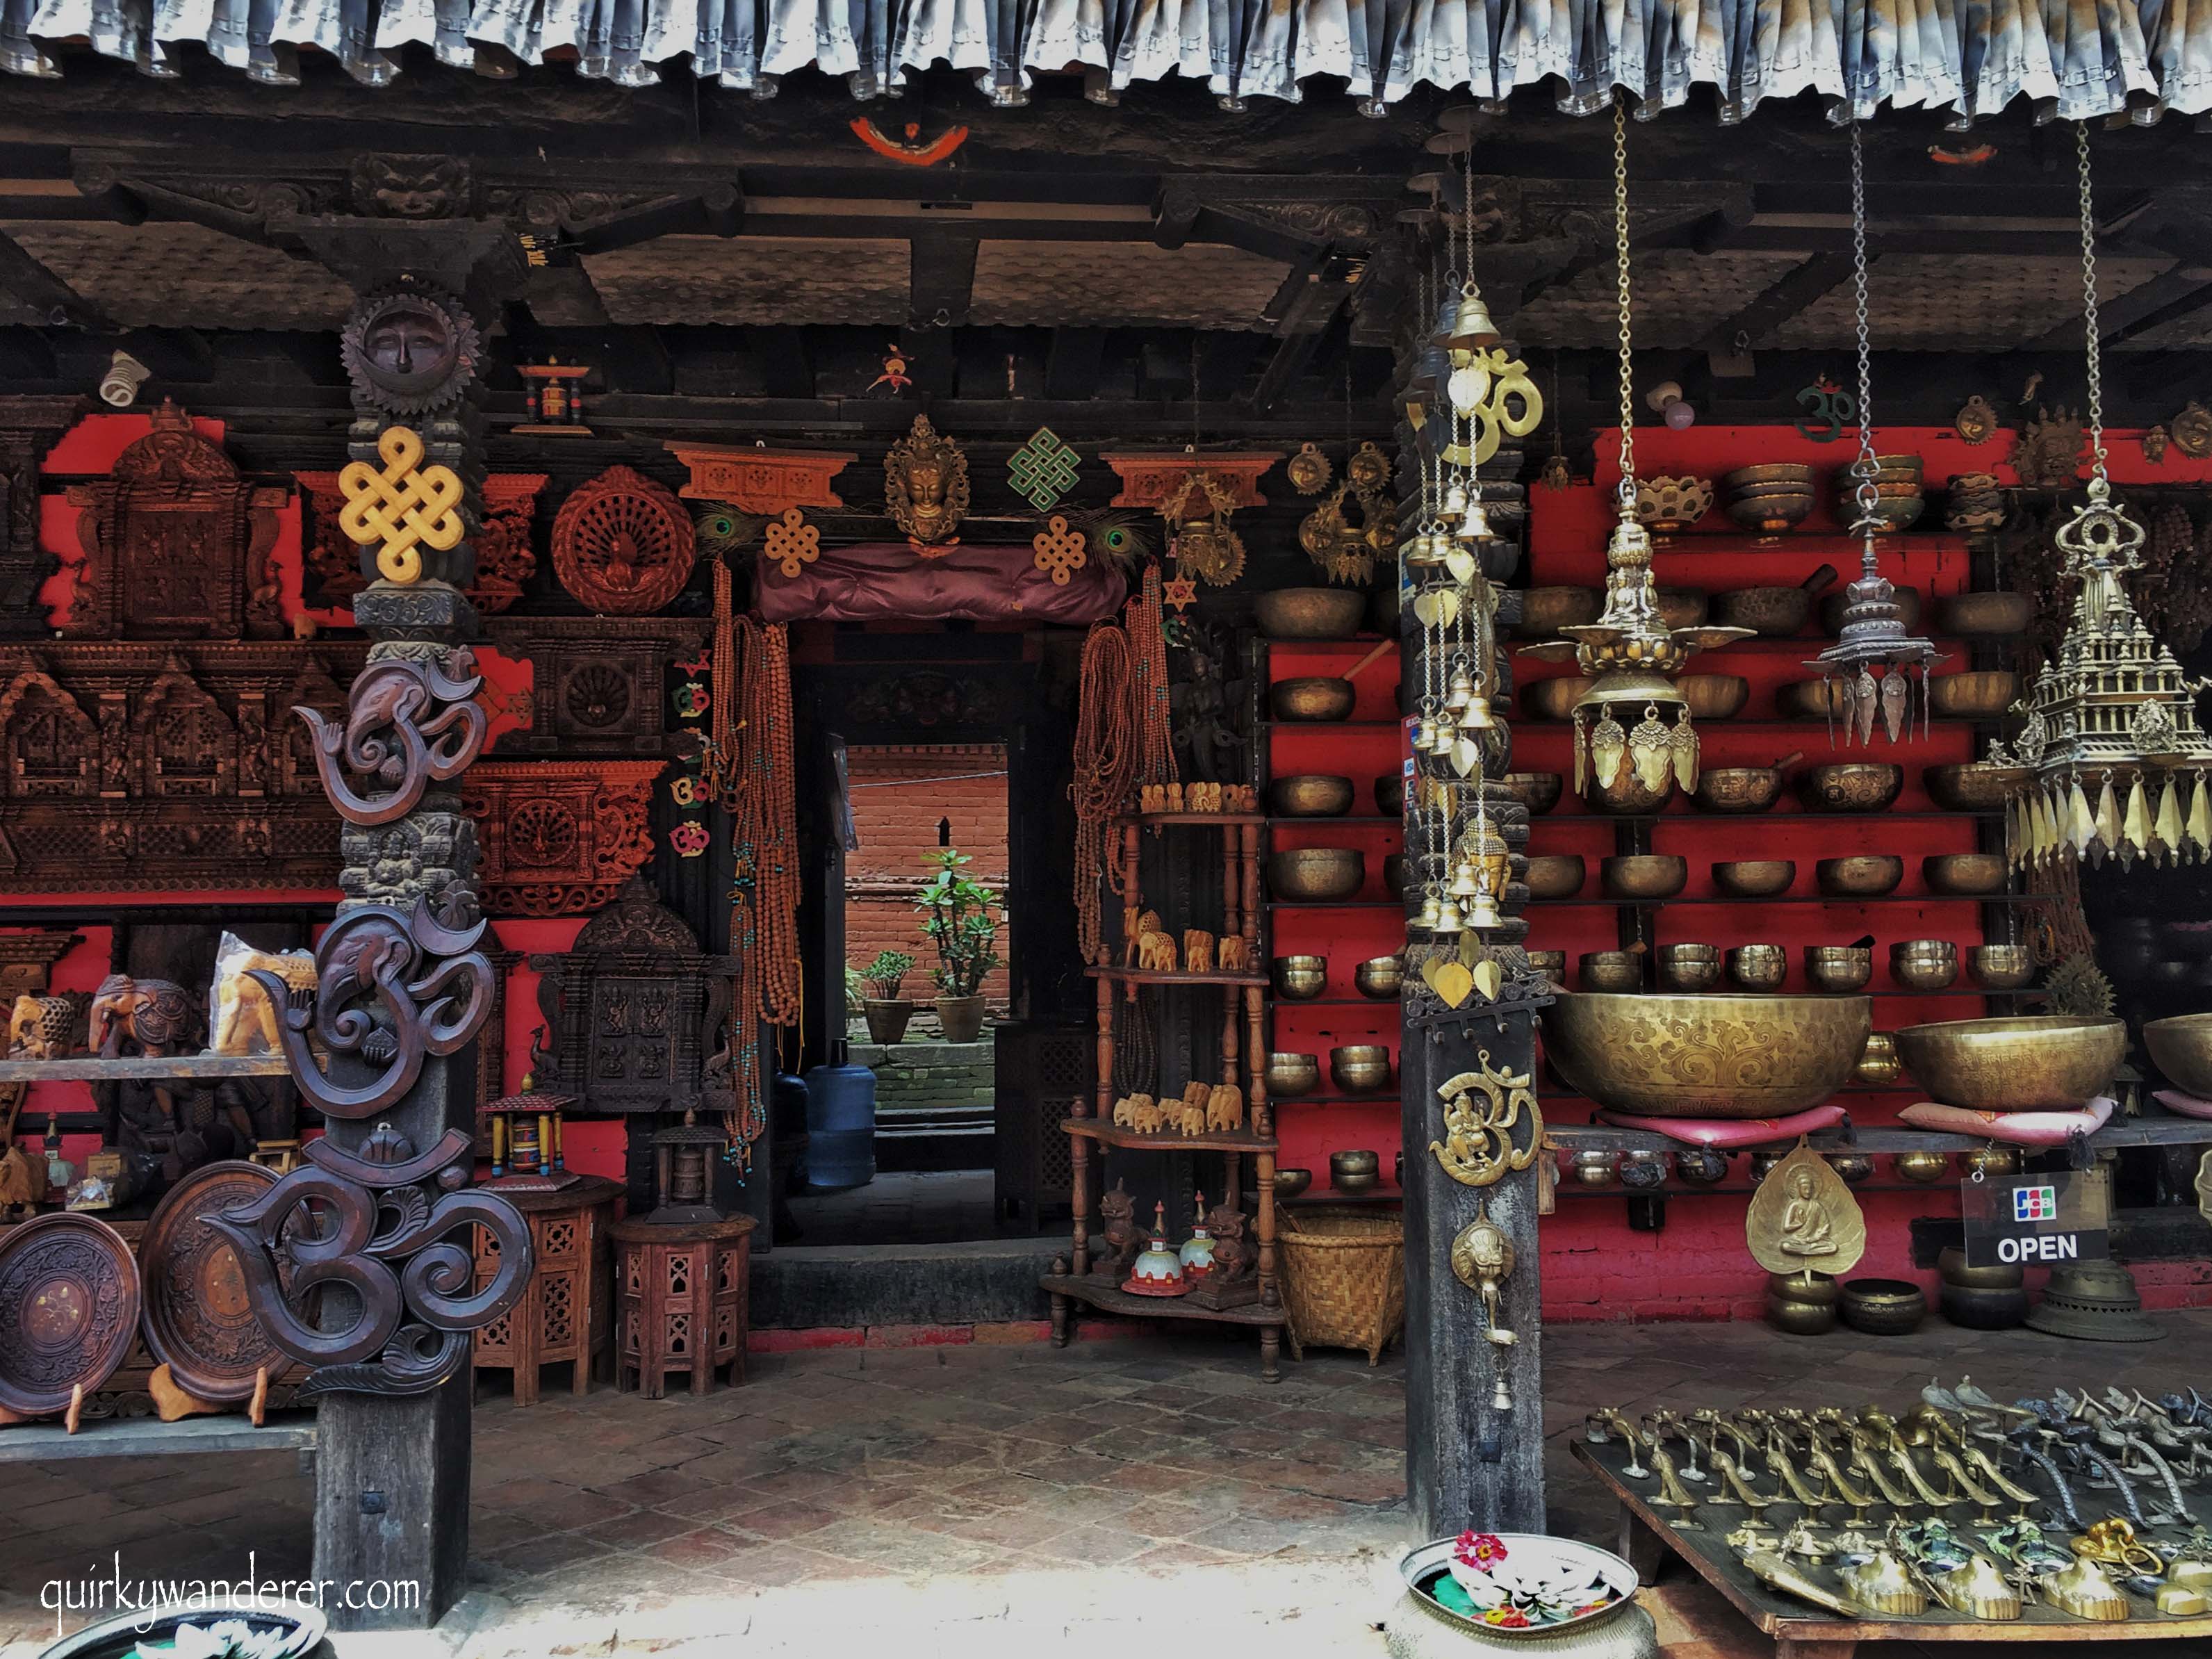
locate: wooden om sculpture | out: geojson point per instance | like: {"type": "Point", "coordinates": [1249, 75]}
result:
{"type": "Point", "coordinates": [408, 724]}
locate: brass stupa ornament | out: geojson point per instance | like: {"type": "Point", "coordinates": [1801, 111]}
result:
{"type": "Point", "coordinates": [1804, 1218]}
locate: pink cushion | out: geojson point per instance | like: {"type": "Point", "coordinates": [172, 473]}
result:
{"type": "Point", "coordinates": [2015, 1128]}
{"type": "Point", "coordinates": [2188, 1105]}
{"type": "Point", "coordinates": [1727, 1133]}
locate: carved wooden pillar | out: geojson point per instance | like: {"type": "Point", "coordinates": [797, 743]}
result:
{"type": "Point", "coordinates": [1474, 1443]}
{"type": "Point", "coordinates": [405, 990]}
{"type": "Point", "coordinates": [29, 427]}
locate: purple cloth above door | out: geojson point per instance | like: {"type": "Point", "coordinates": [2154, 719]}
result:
{"type": "Point", "coordinates": [889, 581]}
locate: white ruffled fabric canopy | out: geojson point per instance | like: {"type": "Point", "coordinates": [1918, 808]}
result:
{"type": "Point", "coordinates": [2075, 58]}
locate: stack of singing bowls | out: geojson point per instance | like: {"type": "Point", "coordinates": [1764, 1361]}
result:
{"type": "Point", "coordinates": [1981, 1298]}
{"type": "Point", "coordinates": [1896, 480]}
{"type": "Point", "coordinates": [1770, 497]}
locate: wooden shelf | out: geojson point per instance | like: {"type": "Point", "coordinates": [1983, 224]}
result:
{"type": "Point", "coordinates": [148, 1437]}
{"type": "Point", "coordinates": [1723, 899]}
{"type": "Point", "coordinates": [1315, 822]}
{"type": "Point", "coordinates": [1154, 976]}
{"type": "Point", "coordinates": [1167, 1141]}
{"type": "Point", "coordinates": [2152, 1129]}
{"type": "Point", "coordinates": [1379, 1097]}
{"type": "Point", "coordinates": [1215, 820]}
{"type": "Point", "coordinates": [1111, 1298]}
{"type": "Point", "coordinates": [1794, 813]}
{"type": "Point", "coordinates": [1335, 904]}
{"type": "Point", "coordinates": [90, 1068]}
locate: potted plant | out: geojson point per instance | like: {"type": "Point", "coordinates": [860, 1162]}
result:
{"type": "Point", "coordinates": [956, 914]}
{"type": "Point", "coordinates": [886, 1011]}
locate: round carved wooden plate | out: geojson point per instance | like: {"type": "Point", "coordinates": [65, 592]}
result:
{"type": "Point", "coordinates": [69, 1309]}
{"type": "Point", "coordinates": [198, 1320]}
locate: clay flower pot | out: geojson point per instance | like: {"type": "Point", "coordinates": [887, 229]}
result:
{"type": "Point", "coordinates": [962, 1018]}
{"type": "Point", "coordinates": [887, 1020]}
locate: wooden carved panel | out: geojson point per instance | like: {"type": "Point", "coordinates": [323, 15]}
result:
{"type": "Point", "coordinates": [506, 558]}
{"type": "Point", "coordinates": [623, 544]}
{"type": "Point", "coordinates": [69, 1309]}
{"type": "Point", "coordinates": [176, 544]}
{"type": "Point", "coordinates": [599, 685]}
{"type": "Point", "coordinates": [29, 427]}
{"type": "Point", "coordinates": [198, 1320]}
{"type": "Point", "coordinates": [144, 766]}
{"type": "Point", "coordinates": [558, 836]}
{"type": "Point", "coordinates": [761, 480]}
{"type": "Point", "coordinates": [630, 1007]}
{"type": "Point", "coordinates": [1147, 480]}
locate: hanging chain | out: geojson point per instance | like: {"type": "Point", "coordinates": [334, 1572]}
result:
{"type": "Point", "coordinates": [1869, 498]}
{"type": "Point", "coordinates": [1426, 449]}
{"type": "Point", "coordinates": [1620, 263]}
{"type": "Point", "coordinates": [2099, 484]}
{"type": "Point", "coordinates": [1467, 215]}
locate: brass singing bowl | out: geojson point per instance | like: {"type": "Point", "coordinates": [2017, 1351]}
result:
{"type": "Point", "coordinates": [1738, 788]}
{"type": "Point", "coordinates": [1774, 512]}
{"type": "Point", "coordinates": [1538, 791]}
{"type": "Point", "coordinates": [1987, 1161]}
{"type": "Point", "coordinates": [1814, 700]}
{"type": "Point", "coordinates": [2182, 1048]}
{"type": "Point", "coordinates": [1360, 1068]}
{"type": "Point", "coordinates": [1668, 1054]}
{"type": "Point", "coordinates": [1713, 697]}
{"type": "Point", "coordinates": [1312, 697]}
{"type": "Point", "coordinates": [1310, 613]}
{"type": "Point", "coordinates": [1394, 874]}
{"type": "Point", "coordinates": [1689, 967]}
{"type": "Point", "coordinates": [1975, 788]}
{"type": "Point", "coordinates": [1850, 787]}
{"type": "Point", "coordinates": [1316, 873]}
{"type": "Point", "coordinates": [1626, 794]}
{"type": "Point", "coordinates": [1610, 970]}
{"type": "Point", "coordinates": [1355, 1162]}
{"type": "Point", "coordinates": [1865, 875]}
{"type": "Point", "coordinates": [2000, 967]}
{"type": "Point", "coordinates": [1300, 979]}
{"type": "Point", "coordinates": [1310, 795]}
{"type": "Point", "coordinates": [1379, 977]}
{"type": "Point", "coordinates": [1683, 607]}
{"type": "Point", "coordinates": [1545, 611]}
{"type": "Point", "coordinates": [1771, 472]}
{"type": "Point", "coordinates": [1980, 695]}
{"type": "Point", "coordinates": [1965, 873]}
{"type": "Point", "coordinates": [2025, 1062]}
{"type": "Point", "coordinates": [1988, 616]}
{"type": "Point", "coordinates": [1772, 612]}
{"type": "Point", "coordinates": [1851, 1167]}
{"type": "Point", "coordinates": [1922, 1167]}
{"type": "Point", "coordinates": [1552, 965]}
{"type": "Point", "coordinates": [1390, 795]}
{"type": "Point", "coordinates": [1552, 699]}
{"type": "Point", "coordinates": [1879, 1065]}
{"type": "Point", "coordinates": [1923, 965]}
{"type": "Point", "coordinates": [1759, 967]}
{"type": "Point", "coordinates": [1839, 968]}
{"type": "Point", "coordinates": [1646, 876]}
{"type": "Point", "coordinates": [1554, 875]}
{"type": "Point", "coordinates": [1289, 1183]}
{"type": "Point", "coordinates": [1291, 1074]}
{"type": "Point", "coordinates": [1754, 878]}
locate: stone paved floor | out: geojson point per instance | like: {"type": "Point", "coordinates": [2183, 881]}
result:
{"type": "Point", "coordinates": [938, 1206]}
{"type": "Point", "coordinates": [1122, 1495]}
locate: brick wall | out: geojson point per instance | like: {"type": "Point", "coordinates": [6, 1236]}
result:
{"type": "Point", "coordinates": [899, 793]}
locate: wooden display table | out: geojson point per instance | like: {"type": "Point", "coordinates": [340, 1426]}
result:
{"type": "Point", "coordinates": [684, 1293]}
{"type": "Point", "coordinates": [563, 1316]}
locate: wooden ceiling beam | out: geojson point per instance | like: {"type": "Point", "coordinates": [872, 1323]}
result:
{"type": "Point", "coordinates": [564, 296]}
{"type": "Point", "coordinates": [2166, 298]}
{"type": "Point", "coordinates": [1793, 293]}
{"type": "Point", "coordinates": [42, 293]}
{"type": "Point", "coordinates": [940, 278]}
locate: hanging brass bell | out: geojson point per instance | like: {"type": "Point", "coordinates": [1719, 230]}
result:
{"type": "Point", "coordinates": [1427, 550]}
{"type": "Point", "coordinates": [1462, 691]}
{"type": "Point", "coordinates": [1426, 918]}
{"type": "Point", "coordinates": [1476, 716]}
{"type": "Point", "coordinates": [1484, 912]}
{"type": "Point", "coordinates": [1465, 885]}
{"type": "Point", "coordinates": [1455, 501]}
{"type": "Point", "coordinates": [1474, 524]}
{"type": "Point", "coordinates": [1448, 921]}
{"type": "Point", "coordinates": [1471, 328]}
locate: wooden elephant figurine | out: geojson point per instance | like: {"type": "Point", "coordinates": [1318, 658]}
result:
{"type": "Point", "coordinates": [1156, 952]}
{"type": "Point", "coordinates": [1150, 1116]}
{"type": "Point", "coordinates": [244, 1017]}
{"type": "Point", "coordinates": [42, 1027]}
{"type": "Point", "coordinates": [1125, 1112]}
{"type": "Point", "coordinates": [1225, 1108]}
{"type": "Point", "coordinates": [1232, 954]}
{"type": "Point", "coordinates": [1189, 1119]}
{"type": "Point", "coordinates": [1134, 926]}
{"type": "Point", "coordinates": [154, 1013]}
{"type": "Point", "coordinates": [1197, 950]}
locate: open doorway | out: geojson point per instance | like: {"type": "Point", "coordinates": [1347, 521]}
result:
{"type": "Point", "coordinates": [935, 1090]}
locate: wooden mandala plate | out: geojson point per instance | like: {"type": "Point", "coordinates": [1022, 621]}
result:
{"type": "Point", "coordinates": [69, 1309]}
{"type": "Point", "coordinates": [199, 1318]}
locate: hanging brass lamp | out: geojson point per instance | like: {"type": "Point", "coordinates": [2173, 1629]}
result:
{"type": "Point", "coordinates": [2111, 719]}
{"type": "Point", "coordinates": [1634, 741]}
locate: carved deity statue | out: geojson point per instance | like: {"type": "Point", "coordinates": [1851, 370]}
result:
{"type": "Point", "coordinates": [926, 485]}
{"type": "Point", "coordinates": [1806, 1229]}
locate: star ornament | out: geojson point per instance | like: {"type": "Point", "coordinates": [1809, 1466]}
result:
{"type": "Point", "coordinates": [1182, 593]}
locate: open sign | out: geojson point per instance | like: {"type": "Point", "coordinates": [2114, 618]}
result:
{"type": "Point", "coordinates": [2037, 1220]}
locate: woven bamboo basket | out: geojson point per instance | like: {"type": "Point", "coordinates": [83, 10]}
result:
{"type": "Point", "coordinates": [1344, 1278]}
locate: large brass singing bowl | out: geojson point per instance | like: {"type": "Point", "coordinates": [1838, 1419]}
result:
{"type": "Point", "coordinates": [1667, 1055]}
{"type": "Point", "coordinates": [2182, 1048]}
{"type": "Point", "coordinates": [1310, 613]}
{"type": "Point", "coordinates": [1311, 697]}
{"type": "Point", "coordinates": [1310, 795]}
{"type": "Point", "coordinates": [1316, 873]}
{"type": "Point", "coordinates": [2029, 1062]}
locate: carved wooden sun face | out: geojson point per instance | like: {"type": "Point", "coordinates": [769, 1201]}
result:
{"type": "Point", "coordinates": [408, 347]}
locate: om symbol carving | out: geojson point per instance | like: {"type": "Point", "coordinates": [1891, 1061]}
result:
{"type": "Point", "coordinates": [393, 739]}
{"type": "Point", "coordinates": [1478, 1149]}
{"type": "Point", "coordinates": [406, 505]}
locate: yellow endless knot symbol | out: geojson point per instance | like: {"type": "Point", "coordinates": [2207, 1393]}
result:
{"type": "Point", "coordinates": [400, 506]}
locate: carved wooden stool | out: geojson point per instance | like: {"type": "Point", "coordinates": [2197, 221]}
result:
{"type": "Point", "coordinates": [683, 1293]}
{"type": "Point", "coordinates": [563, 1316]}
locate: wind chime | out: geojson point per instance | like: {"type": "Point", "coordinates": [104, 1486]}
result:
{"type": "Point", "coordinates": [1633, 742]}
{"type": "Point", "coordinates": [2113, 711]}
{"type": "Point", "coordinates": [1874, 634]}
{"type": "Point", "coordinates": [1466, 396]}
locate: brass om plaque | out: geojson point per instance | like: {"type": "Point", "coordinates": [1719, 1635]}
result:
{"type": "Point", "coordinates": [1481, 1109]}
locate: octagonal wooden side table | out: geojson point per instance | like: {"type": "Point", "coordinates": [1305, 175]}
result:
{"type": "Point", "coordinates": [682, 1293]}
{"type": "Point", "coordinates": [565, 1314]}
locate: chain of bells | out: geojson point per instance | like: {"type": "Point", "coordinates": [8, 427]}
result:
{"type": "Point", "coordinates": [2053, 819]}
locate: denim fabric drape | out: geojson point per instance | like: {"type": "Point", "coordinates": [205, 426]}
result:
{"type": "Point", "coordinates": [2074, 58]}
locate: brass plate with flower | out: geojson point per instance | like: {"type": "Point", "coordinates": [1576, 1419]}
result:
{"type": "Point", "coordinates": [1482, 1109]}
{"type": "Point", "coordinates": [1804, 1218]}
